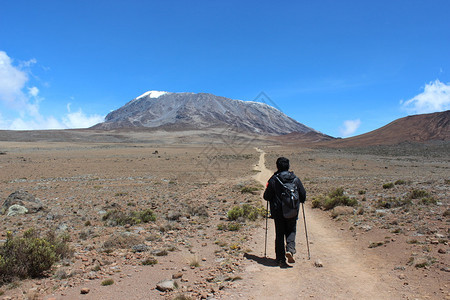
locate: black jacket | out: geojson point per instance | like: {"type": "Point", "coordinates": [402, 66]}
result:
{"type": "Point", "coordinates": [274, 189]}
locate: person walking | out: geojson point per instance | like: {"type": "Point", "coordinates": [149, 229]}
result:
{"type": "Point", "coordinates": [285, 227]}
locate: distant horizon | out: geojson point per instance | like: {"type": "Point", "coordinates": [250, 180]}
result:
{"type": "Point", "coordinates": [343, 68]}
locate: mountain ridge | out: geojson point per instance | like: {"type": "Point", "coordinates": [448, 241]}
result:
{"type": "Point", "coordinates": [415, 128]}
{"type": "Point", "coordinates": [166, 110]}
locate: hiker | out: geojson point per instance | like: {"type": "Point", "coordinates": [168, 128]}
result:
{"type": "Point", "coordinates": [285, 218]}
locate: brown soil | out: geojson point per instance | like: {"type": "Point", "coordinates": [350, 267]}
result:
{"type": "Point", "coordinates": [80, 182]}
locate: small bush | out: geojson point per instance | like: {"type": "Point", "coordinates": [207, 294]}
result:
{"type": "Point", "coordinates": [362, 192]}
{"type": "Point", "coordinates": [194, 262]}
{"type": "Point", "coordinates": [229, 226]}
{"type": "Point", "coordinates": [246, 212]}
{"type": "Point", "coordinates": [121, 194]}
{"type": "Point", "coordinates": [250, 190]}
{"type": "Point", "coordinates": [200, 211]}
{"type": "Point", "coordinates": [107, 282]}
{"type": "Point", "coordinates": [416, 194]}
{"type": "Point", "coordinates": [316, 202]}
{"type": "Point", "coordinates": [122, 241]}
{"type": "Point", "coordinates": [428, 200]}
{"type": "Point", "coordinates": [117, 217]}
{"type": "Point", "coordinates": [376, 244]}
{"type": "Point", "coordinates": [392, 202]}
{"type": "Point", "coordinates": [388, 185]}
{"type": "Point", "coordinates": [333, 199]}
{"type": "Point", "coordinates": [30, 255]}
{"type": "Point", "coordinates": [400, 182]}
{"type": "Point", "coordinates": [149, 261]}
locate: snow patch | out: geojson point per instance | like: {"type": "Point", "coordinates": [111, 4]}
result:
{"type": "Point", "coordinates": [152, 94]}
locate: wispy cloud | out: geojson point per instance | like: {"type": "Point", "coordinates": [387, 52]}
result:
{"type": "Point", "coordinates": [435, 97]}
{"type": "Point", "coordinates": [25, 101]}
{"type": "Point", "coordinates": [349, 127]}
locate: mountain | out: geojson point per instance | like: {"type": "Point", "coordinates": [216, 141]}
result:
{"type": "Point", "coordinates": [181, 111]}
{"type": "Point", "coordinates": [416, 128]}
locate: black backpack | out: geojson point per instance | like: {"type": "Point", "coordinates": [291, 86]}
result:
{"type": "Point", "coordinates": [290, 200]}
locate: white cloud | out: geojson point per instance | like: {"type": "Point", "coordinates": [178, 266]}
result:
{"type": "Point", "coordinates": [434, 98]}
{"type": "Point", "coordinates": [79, 119]}
{"type": "Point", "coordinates": [349, 127]}
{"type": "Point", "coordinates": [33, 91]}
{"type": "Point", "coordinates": [12, 82]}
{"type": "Point", "coordinates": [25, 101]}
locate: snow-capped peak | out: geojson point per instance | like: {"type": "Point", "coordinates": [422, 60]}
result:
{"type": "Point", "coordinates": [152, 94]}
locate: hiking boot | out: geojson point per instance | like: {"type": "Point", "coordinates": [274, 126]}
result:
{"type": "Point", "coordinates": [290, 257]}
{"type": "Point", "coordinates": [283, 264]}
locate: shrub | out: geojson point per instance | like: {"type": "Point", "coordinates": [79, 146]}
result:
{"type": "Point", "coordinates": [229, 226]}
{"type": "Point", "coordinates": [400, 182]}
{"type": "Point", "coordinates": [122, 241]}
{"type": "Point", "coordinates": [194, 262]}
{"type": "Point", "coordinates": [392, 202]}
{"type": "Point", "coordinates": [117, 217]}
{"type": "Point", "coordinates": [200, 211]}
{"type": "Point", "coordinates": [246, 212]}
{"type": "Point", "coordinates": [30, 255]}
{"type": "Point", "coordinates": [250, 190]}
{"type": "Point", "coordinates": [149, 261]}
{"type": "Point", "coordinates": [316, 202]}
{"type": "Point", "coordinates": [416, 194]}
{"type": "Point", "coordinates": [376, 244]}
{"type": "Point", "coordinates": [428, 200]}
{"type": "Point", "coordinates": [388, 185]}
{"type": "Point", "coordinates": [333, 199]}
{"type": "Point", "coordinates": [362, 192]}
{"type": "Point", "coordinates": [107, 282]}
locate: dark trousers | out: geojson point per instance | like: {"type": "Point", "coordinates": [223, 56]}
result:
{"type": "Point", "coordinates": [284, 229]}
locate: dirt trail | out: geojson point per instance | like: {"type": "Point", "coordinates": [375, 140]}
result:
{"type": "Point", "coordinates": [347, 272]}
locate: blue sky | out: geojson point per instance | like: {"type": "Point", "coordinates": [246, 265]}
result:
{"type": "Point", "coordinates": [341, 67]}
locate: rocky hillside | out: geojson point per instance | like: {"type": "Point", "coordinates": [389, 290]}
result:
{"type": "Point", "coordinates": [417, 128]}
{"type": "Point", "coordinates": [177, 111]}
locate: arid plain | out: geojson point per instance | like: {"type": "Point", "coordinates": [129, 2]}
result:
{"type": "Point", "coordinates": [398, 228]}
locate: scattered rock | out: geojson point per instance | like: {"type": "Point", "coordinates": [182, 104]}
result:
{"type": "Point", "coordinates": [173, 215]}
{"type": "Point", "coordinates": [177, 275]}
{"type": "Point", "coordinates": [85, 291]}
{"type": "Point", "coordinates": [140, 248]}
{"type": "Point", "coordinates": [318, 263]}
{"type": "Point", "coordinates": [166, 285]}
{"type": "Point", "coordinates": [442, 251]}
{"type": "Point", "coordinates": [22, 198]}
{"type": "Point", "coordinates": [16, 209]}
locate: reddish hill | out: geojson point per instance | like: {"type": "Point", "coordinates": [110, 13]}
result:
{"type": "Point", "coordinates": [417, 128]}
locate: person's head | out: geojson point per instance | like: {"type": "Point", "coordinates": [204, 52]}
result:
{"type": "Point", "coordinates": [282, 164]}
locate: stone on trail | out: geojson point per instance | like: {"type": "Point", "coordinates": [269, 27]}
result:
{"type": "Point", "coordinates": [318, 263]}
{"type": "Point", "coordinates": [16, 209]}
{"type": "Point", "coordinates": [166, 285]}
{"type": "Point", "coordinates": [85, 291]}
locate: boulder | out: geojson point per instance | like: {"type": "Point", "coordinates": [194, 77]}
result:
{"type": "Point", "coordinates": [16, 209]}
{"type": "Point", "coordinates": [22, 198]}
{"type": "Point", "coordinates": [166, 285]}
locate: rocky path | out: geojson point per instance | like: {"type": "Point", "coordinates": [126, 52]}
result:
{"type": "Point", "coordinates": [347, 271]}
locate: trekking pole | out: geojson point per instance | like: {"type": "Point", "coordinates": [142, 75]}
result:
{"type": "Point", "coordinates": [306, 231]}
{"type": "Point", "coordinates": [265, 240]}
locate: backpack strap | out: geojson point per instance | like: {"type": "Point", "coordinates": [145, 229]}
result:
{"type": "Point", "coordinates": [280, 181]}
